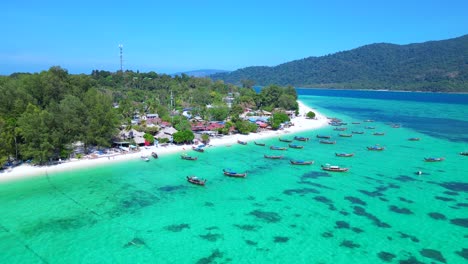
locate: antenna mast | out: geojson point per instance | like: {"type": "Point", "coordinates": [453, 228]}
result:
{"type": "Point", "coordinates": [121, 57]}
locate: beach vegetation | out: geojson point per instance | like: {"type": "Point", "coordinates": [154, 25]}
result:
{"type": "Point", "coordinates": [310, 115]}
{"type": "Point", "coordinates": [149, 138]}
{"type": "Point", "coordinates": [184, 136]}
{"type": "Point", "coordinates": [205, 138]}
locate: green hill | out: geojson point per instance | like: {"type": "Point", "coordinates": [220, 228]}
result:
{"type": "Point", "coordinates": [430, 66]}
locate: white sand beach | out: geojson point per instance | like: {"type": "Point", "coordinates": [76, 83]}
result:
{"type": "Point", "coordinates": [300, 123]}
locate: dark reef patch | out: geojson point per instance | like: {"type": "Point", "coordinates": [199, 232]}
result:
{"type": "Point", "coordinates": [211, 228]}
{"type": "Point", "coordinates": [248, 227]}
{"type": "Point", "coordinates": [300, 191]}
{"type": "Point", "coordinates": [177, 228]}
{"type": "Point", "coordinates": [325, 200]}
{"type": "Point", "coordinates": [172, 188]}
{"type": "Point", "coordinates": [211, 258]}
{"type": "Point", "coordinates": [433, 254]}
{"type": "Point", "coordinates": [209, 204]}
{"type": "Point", "coordinates": [355, 200]}
{"type": "Point", "coordinates": [437, 216]}
{"type": "Point", "coordinates": [280, 239]}
{"type": "Point", "coordinates": [405, 200]}
{"type": "Point", "coordinates": [404, 178]}
{"type": "Point", "coordinates": [445, 199]}
{"type": "Point", "coordinates": [327, 234]}
{"type": "Point", "coordinates": [274, 199]}
{"type": "Point", "coordinates": [386, 256]}
{"type": "Point", "coordinates": [259, 204]}
{"type": "Point", "coordinates": [451, 193]}
{"type": "Point", "coordinates": [411, 260]}
{"type": "Point", "coordinates": [383, 199]}
{"type": "Point", "coordinates": [314, 175]}
{"type": "Point", "coordinates": [462, 204]}
{"type": "Point", "coordinates": [362, 212]}
{"type": "Point", "coordinates": [137, 200]}
{"type": "Point", "coordinates": [250, 242]}
{"type": "Point", "coordinates": [269, 217]}
{"type": "Point", "coordinates": [463, 253]}
{"type": "Point", "coordinates": [455, 186]}
{"type": "Point", "coordinates": [342, 225]}
{"type": "Point", "coordinates": [413, 238]}
{"type": "Point", "coordinates": [344, 213]}
{"type": "Point", "coordinates": [250, 198]}
{"type": "Point", "coordinates": [316, 185]}
{"type": "Point", "coordinates": [349, 244]}
{"type": "Point", "coordinates": [460, 222]}
{"type": "Point", "coordinates": [137, 242]}
{"type": "Point", "coordinates": [211, 237]}
{"type": "Point", "coordinates": [379, 190]}
{"type": "Point", "coordinates": [399, 210]}
{"type": "Point", "coordinates": [60, 224]}
{"type": "Point", "coordinates": [357, 230]}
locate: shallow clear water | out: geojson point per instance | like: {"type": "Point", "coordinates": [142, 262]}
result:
{"type": "Point", "coordinates": [378, 211]}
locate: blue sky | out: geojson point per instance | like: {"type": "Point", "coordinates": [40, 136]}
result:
{"type": "Point", "coordinates": [172, 36]}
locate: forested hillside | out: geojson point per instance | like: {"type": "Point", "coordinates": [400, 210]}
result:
{"type": "Point", "coordinates": [431, 66]}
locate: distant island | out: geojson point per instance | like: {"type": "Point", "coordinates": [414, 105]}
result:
{"type": "Point", "coordinates": [436, 66]}
{"type": "Point", "coordinates": [201, 73]}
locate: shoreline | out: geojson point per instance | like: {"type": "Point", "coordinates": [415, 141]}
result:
{"type": "Point", "coordinates": [301, 123]}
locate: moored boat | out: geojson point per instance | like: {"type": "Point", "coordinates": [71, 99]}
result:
{"type": "Point", "coordinates": [272, 156]}
{"type": "Point", "coordinates": [328, 167]}
{"type": "Point", "coordinates": [379, 134]}
{"type": "Point", "coordinates": [296, 146]}
{"type": "Point", "coordinates": [369, 120]}
{"type": "Point", "coordinates": [154, 155]}
{"type": "Point", "coordinates": [413, 139]}
{"type": "Point", "coordinates": [301, 162]}
{"type": "Point", "coordinates": [196, 180]}
{"type": "Point", "coordinates": [345, 135]}
{"type": "Point", "coordinates": [347, 155]}
{"type": "Point", "coordinates": [327, 142]}
{"type": "Point", "coordinates": [355, 123]}
{"type": "Point", "coordinates": [464, 153]}
{"type": "Point", "coordinates": [231, 173]}
{"type": "Point", "coordinates": [301, 138]}
{"type": "Point", "coordinates": [259, 144]}
{"type": "Point", "coordinates": [323, 136]}
{"type": "Point", "coordinates": [144, 158]}
{"type": "Point", "coordinates": [198, 149]}
{"type": "Point", "coordinates": [285, 140]}
{"type": "Point", "coordinates": [432, 159]}
{"type": "Point", "coordinates": [242, 142]}
{"type": "Point", "coordinates": [358, 132]}
{"type": "Point", "coordinates": [376, 148]}
{"type": "Point", "coordinates": [277, 148]}
{"type": "Point", "coordinates": [340, 128]}
{"type": "Point", "coordinates": [369, 127]}
{"type": "Point", "coordinates": [187, 157]}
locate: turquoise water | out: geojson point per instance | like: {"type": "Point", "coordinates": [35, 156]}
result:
{"type": "Point", "coordinates": [379, 211]}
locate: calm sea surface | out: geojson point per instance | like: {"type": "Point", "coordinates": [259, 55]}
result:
{"type": "Point", "coordinates": [379, 211]}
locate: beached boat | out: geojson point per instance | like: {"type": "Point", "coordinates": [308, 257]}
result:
{"type": "Point", "coordinates": [301, 162]}
{"type": "Point", "coordinates": [340, 128]}
{"type": "Point", "coordinates": [144, 158]}
{"type": "Point", "coordinates": [154, 155]}
{"type": "Point", "coordinates": [295, 146]}
{"type": "Point", "coordinates": [187, 157]}
{"type": "Point", "coordinates": [414, 139]}
{"type": "Point", "coordinates": [301, 138]}
{"type": "Point", "coordinates": [464, 153]}
{"type": "Point", "coordinates": [347, 155]}
{"type": "Point", "coordinates": [242, 142]}
{"type": "Point", "coordinates": [432, 159]}
{"type": "Point", "coordinates": [323, 136]}
{"type": "Point", "coordinates": [198, 149]}
{"type": "Point", "coordinates": [376, 148]}
{"type": "Point", "coordinates": [328, 167]}
{"type": "Point", "coordinates": [378, 134]}
{"type": "Point", "coordinates": [259, 144]}
{"type": "Point", "coordinates": [285, 140]}
{"type": "Point", "coordinates": [358, 132]}
{"type": "Point", "coordinates": [231, 173]}
{"type": "Point", "coordinates": [327, 142]}
{"type": "Point", "coordinates": [277, 148]}
{"type": "Point", "coordinates": [272, 156]}
{"type": "Point", "coordinates": [345, 135]}
{"type": "Point", "coordinates": [196, 180]}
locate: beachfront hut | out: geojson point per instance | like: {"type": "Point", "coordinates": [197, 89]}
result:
{"type": "Point", "coordinates": [169, 130]}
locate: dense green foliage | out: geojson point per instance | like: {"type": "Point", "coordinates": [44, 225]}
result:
{"type": "Point", "coordinates": [310, 114]}
{"type": "Point", "coordinates": [184, 136]}
{"type": "Point", "coordinates": [277, 118]}
{"type": "Point", "coordinates": [430, 66]}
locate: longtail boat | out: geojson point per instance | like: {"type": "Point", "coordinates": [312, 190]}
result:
{"type": "Point", "coordinates": [277, 148]}
{"type": "Point", "coordinates": [195, 180]}
{"type": "Point", "coordinates": [285, 140]}
{"type": "Point", "coordinates": [231, 173]}
{"type": "Point", "coordinates": [379, 134]}
{"type": "Point", "coordinates": [323, 136]}
{"type": "Point", "coordinates": [346, 155]}
{"type": "Point", "coordinates": [369, 127]}
{"type": "Point", "coordinates": [414, 139]}
{"type": "Point", "coordinates": [464, 153]}
{"type": "Point", "coordinates": [242, 142]}
{"type": "Point", "coordinates": [376, 148]}
{"type": "Point", "coordinates": [272, 156]}
{"type": "Point", "coordinates": [358, 132]}
{"type": "Point", "coordinates": [301, 138]}
{"type": "Point", "coordinates": [340, 128]}
{"type": "Point", "coordinates": [328, 167]}
{"type": "Point", "coordinates": [345, 135]}
{"type": "Point", "coordinates": [154, 155]}
{"type": "Point", "coordinates": [198, 149]}
{"type": "Point", "coordinates": [301, 162]}
{"type": "Point", "coordinates": [432, 159]}
{"type": "Point", "coordinates": [259, 144]}
{"type": "Point", "coordinates": [327, 142]}
{"type": "Point", "coordinates": [187, 157]}
{"type": "Point", "coordinates": [295, 146]}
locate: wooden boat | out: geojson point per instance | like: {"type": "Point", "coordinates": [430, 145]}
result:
{"type": "Point", "coordinates": [464, 153]}
{"type": "Point", "coordinates": [285, 140]}
{"type": "Point", "coordinates": [369, 127]}
{"type": "Point", "coordinates": [376, 148]}
{"type": "Point", "coordinates": [323, 136]}
{"type": "Point", "coordinates": [396, 126]}
{"type": "Point", "coordinates": [259, 144]}
{"type": "Point", "coordinates": [358, 132]}
{"type": "Point", "coordinates": [277, 148]}
{"type": "Point", "coordinates": [355, 123]}
{"type": "Point", "coordinates": [327, 142]}
{"type": "Point", "coordinates": [242, 142]}
{"type": "Point", "coordinates": [432, 159]}
{"type": "Point", "coordinates": [195, 180]}
{"type": "Point", "coordinates": [144, 158]}
{"type": "Point", "coordinates": [154, 155]}
{"type": "Point", "coordinates": [345, 135]}
{"type": "Point", "coordinates": [340, 128]}
{"type": "Point", "coordinates": [301, 138]}
{"type": "Point", "coordinates": [295, 146]}
{"type": "Point", "coordinates": [231, 173]}
{"type": "Point", "coordinates": [378, 134]}
{"type": "Point", "coordinates": [273, 156]}
{"type": "Point", "coordinates": [413, 139]}
{"type": "Point", "coordinates": [328, 167]}
{"type": "Point", "coordinates": [347, 155]}
{"type": "Point", "coordinates": [187, 157]}
{"type": "Point", "coordinates": [301, 162]}
{"type": "Point", "coordinates": [198, 149]}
